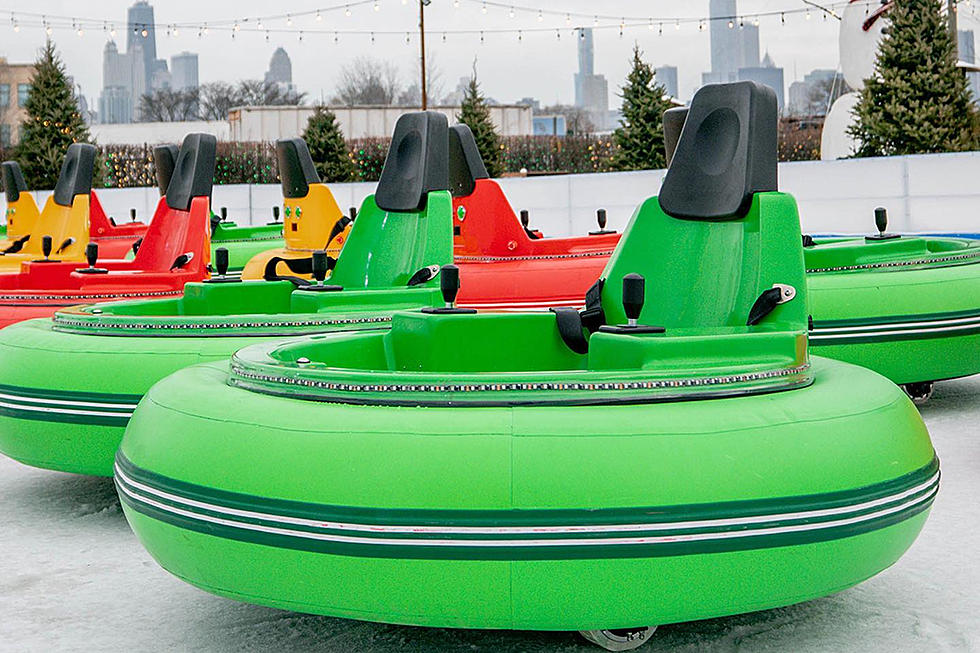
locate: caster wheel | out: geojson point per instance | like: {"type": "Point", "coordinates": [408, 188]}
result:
{"type": "Point", "coordinates": [619, 639]}
{"type": "Point", "coordinates": [920, 393]}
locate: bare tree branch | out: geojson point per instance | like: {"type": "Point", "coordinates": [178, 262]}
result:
{"type": "Point", "coordinates": [368, 81]}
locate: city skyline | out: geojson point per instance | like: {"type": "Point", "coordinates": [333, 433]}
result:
{"type": "Point", "coordinates": [547, 62]}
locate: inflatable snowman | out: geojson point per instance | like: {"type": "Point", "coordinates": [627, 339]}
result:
{"type": "Point", "coordinates": [861, 25]}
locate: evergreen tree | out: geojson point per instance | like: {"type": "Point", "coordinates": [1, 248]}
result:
{"type": "Point", "coordinates": [475, 113]}
{"type": "Point", "coordinates": [640, 135]}
{"type": "Point", "coordinates": [917, 101]}
{"type": "Point", "coordinates": [327, 146]}
{"type": "Point", "coordinates": [53, 121]}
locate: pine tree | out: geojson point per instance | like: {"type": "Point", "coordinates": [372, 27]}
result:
{"type": "Point", "coordinates": [475, 113]}
{"type": "Point", "coordinates": [640, 135]}
{"type": "Point", "coordinates": [327, 146]}
{"type": "Point", "coordinates": [53, 121]}
{"type": "Point", "coordinates": [917, 101]}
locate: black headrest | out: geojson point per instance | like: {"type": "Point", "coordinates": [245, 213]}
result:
{"type": "Point", "coordinates": [726, 153]}
{"type": "Point", "coordinates": [465, 163]}
{"type": "Point", "coordinates": [164, 160]}
{"type": "Point", "coordinates": [416, 163]}
{"type": "Point", "coordinates": [193, 172]}
{"type": "Point", "coordinates": [296, 168]}
{"type": "Point", "coordinates": [13, 180]}
{"type": "Point", "coordinates": [76, 173]}
{"type": "Point", "coordinates": [673, 124]}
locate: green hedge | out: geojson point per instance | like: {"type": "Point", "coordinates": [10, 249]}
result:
{"type": "Point", "coordinates": [125, 166]}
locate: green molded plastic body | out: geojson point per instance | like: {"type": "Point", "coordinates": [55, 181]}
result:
{"type": "Point", "coordinates": [245, 242]}
{"type": "Point", "coordinates": [472, 471]}
{"type": "Point", "coordinates": [826, 438]}
{"type": "Point", "coordinates": [908, 308]}
{"type": "Point", "coordinates": [71, 383]}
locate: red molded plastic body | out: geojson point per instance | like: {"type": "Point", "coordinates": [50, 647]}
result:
{"type": "Point", "coordinates": [501, 267]}
{"type": "Point", "coordinates": [41, 288]}
{"type": "Point", "coordinates": [114, 240]}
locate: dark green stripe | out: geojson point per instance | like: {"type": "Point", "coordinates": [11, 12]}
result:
{"type": "Point", "coordinates": [67, 395]}
{"type": "Point", "coordinates": [894, 319]}
{"type": "Point", "coordinates": [65, 418]}
{"type": "Point", "coordinates": [415, 537]}
{"type": "Point", "coordinates": [70, 395]}
{"type": "Point", "coordinates": [524, 518]}
{"type": "Point", "coordinates": [527, 552]}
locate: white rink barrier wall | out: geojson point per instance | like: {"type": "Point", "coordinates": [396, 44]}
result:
{"type": "Point", "coordinates": [923, 193]}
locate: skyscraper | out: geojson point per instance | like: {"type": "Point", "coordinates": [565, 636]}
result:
{"type": "Point", "coordinates": [141, 30]}
{"type": "Point", "coordinates": [184, 71]}
{"type": "Point", "coordinates": [767, 74]}
{"type": "Point", "coordinates": [747, 37]}
{"type": "Point", "coordinates": [667, 75]}
{"type": "Point", "coordinates": [724, 42]}
{"type": "Point", "coordinates": [734, 43]}
{"type": "Point", "coordinates": [123, 83]}
{"type": "Point", "coordinates": [591, 90]}
{"type": "Point", "coordinates": [280, 68]}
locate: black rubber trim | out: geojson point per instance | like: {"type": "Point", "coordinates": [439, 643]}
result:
{"type": "Point", "coordinates": [13, 180]}
{"type": "Point", "coordinates": [571, 330]}
{"type": "Point", "coordinates": [76, 173]}
{"type": "Point", "coordinates": [193, 172]}
{"type": "Point", "coordinates": [296, 265]}
{"type": "Point", "coordinates": [465, 163]}
{"type": "Point", "coordinates": [296, 168]}
{"type": "Point", "coordinates": [593, 316]}
{"type": "Point", "coordinates": [164, 162]}
{"type": "Point", "coordinates": [726, 153]}
{"type": "Point", "coordinates": [417, 162]}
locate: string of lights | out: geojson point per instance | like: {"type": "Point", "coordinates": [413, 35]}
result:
{"type": "Point", "coordinates": [311, 22]}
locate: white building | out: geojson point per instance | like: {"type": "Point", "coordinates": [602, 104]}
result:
{"type": "Point", "coordinates": [273, 123]}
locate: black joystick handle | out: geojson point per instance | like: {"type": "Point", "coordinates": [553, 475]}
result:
{"type": "Point", "coordinates": [46, 244]}
{"type": "Point", "coordinates": [634, 290]}
{"type": "Point", "coordinates": [881, 219]}
{"type": "Point", "coordinates": [449, 284]}
{"type": "Point", "coordinates": [221, 261]}
{"type": "Point", "coordinates": [600, 217]}
{"type": "Point", "coordinates": [319, 266]}
{"type": "Point", "coordinates": [525, 218]}
{"type": "Point", "coordinates": [275, 214]}
{"type": "Point", "coordinates": [353, 213]}
{"type": "Point", "coordinates": [132, 215]}
{"type": "Point", "coordinates": [92, 254]}
{"type": "Point", "coordinates": [224, 213]}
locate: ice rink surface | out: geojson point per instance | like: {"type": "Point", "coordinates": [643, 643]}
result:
{"type": "Point", "coordinates": [74, 578]}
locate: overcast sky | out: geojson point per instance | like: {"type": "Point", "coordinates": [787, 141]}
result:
{"type": "Point", "coordinates": [540, 65]}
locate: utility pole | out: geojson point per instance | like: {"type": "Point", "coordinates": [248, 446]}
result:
{"type": "Point", "coordinates": [422, 4]}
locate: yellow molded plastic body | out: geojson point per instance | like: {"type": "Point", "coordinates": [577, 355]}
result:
{"type": "Point", "coordinates": [307, 224]}
{"type": "Point", "coordinates": [61, 223]}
